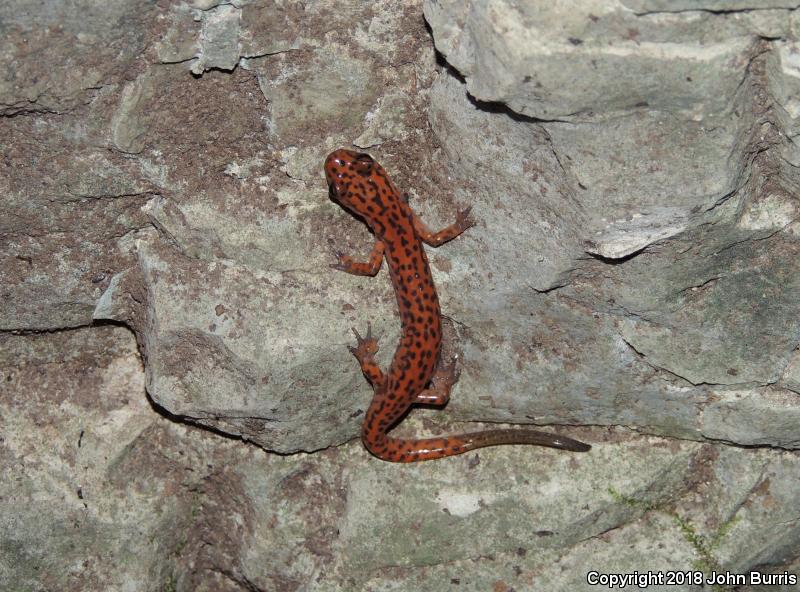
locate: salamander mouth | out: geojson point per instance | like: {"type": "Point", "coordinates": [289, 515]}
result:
{"type": "Point", "coordinates": [333, 191]}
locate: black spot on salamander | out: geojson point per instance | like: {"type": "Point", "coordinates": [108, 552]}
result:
{"type": "Point", "coordinates": [404, 241]}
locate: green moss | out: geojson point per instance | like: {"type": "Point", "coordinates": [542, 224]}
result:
{"type": "Point", "coordinates": [703, 546]}
{"type": "Point", "coordinates": [171, 585]}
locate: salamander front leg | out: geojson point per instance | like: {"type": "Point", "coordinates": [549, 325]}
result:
{"type": "Point", "coordinates": [442, 381]}
{"type": "Point", "coordinates": [371, 267]}
{"type": "Point", "coordinates": [463, 221]}
{"type": "Point", "coordinates": [364, 352]}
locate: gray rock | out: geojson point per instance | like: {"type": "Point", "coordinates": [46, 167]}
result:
{"type": "Point", "coordinates": [631, 280]}
{"type": "Point", "coordinates": [102, 493]}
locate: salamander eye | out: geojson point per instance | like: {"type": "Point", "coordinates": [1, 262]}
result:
{"type": "Point", "coordinates": [363, 164]}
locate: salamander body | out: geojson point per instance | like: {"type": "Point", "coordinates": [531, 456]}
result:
{"type": "Point", "coordinates": [416, 374]}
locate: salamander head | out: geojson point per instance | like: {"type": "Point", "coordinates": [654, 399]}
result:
{"type": "Point", "coordinates": [351, 175]}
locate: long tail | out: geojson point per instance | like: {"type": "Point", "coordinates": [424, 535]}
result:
{"type": "Point", "coordinates": [401, 450]}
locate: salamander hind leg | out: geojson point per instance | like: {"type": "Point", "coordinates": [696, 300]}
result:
{"type": "Point", "coordinates": [365, 351]}
{"type": "Point", "coordinates": [442, 381]}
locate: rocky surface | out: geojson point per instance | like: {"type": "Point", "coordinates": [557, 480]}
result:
{"type": "Point", "coordinates": [99, 492]}
{"type": "Point", "coordinates": [633, 169]}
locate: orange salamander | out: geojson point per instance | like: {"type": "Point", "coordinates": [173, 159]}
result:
{"type": "Point", "coordinates": [416, 375]}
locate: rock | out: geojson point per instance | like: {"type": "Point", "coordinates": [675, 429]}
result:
{"type": "Point", "coordinates": [170, 319]}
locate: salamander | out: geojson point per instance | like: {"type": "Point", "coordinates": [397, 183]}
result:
{"type": "Point", "coordinates": [416, 375]}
